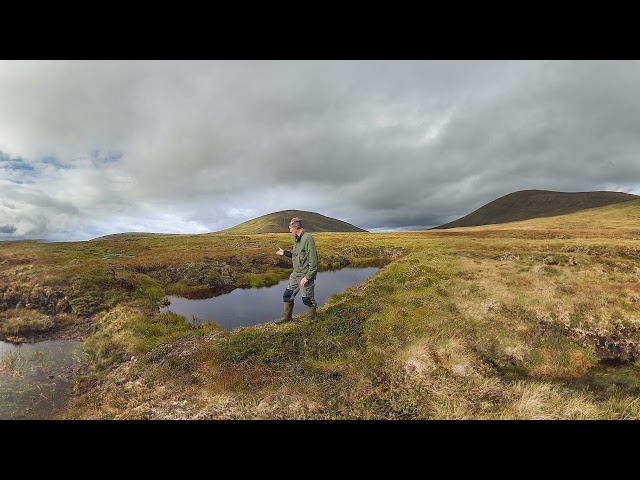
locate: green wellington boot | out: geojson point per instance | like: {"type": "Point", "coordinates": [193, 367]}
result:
{"type": "Point", "coordinates": [288, 314]}
{"type": "Point", "coordinates": [311, 313]}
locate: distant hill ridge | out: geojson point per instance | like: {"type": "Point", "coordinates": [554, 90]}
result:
{"type": "Point", "coordinates": [514, 207]}
{"type": "Point", "coordinates": [278, 222]}
{"type": "Point", "coordinates": [530, 204]}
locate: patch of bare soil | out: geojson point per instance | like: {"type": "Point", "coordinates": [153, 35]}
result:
{"type": "Point", "coordinates": [79, 330]}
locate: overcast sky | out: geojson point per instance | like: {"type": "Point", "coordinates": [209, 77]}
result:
{"type": "Point", "coordinates": [91, 148]}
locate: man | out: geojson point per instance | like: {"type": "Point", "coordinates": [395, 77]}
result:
{"type": "Point", "coordinates": [305, 268]}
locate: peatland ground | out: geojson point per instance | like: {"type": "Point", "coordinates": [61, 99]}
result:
{"type": "Point", "coordinates": [536, 319]}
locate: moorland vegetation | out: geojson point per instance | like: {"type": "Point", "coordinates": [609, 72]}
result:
{"type": "Point", "coordinates": [535, 319]}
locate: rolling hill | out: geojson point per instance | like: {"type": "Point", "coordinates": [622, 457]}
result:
{"type": "Point", "coordinates": [530, 204]}
{"type": "Point", "coordinates": [622, 218]}
{"type": "Point", "coordinates": [278, 222]}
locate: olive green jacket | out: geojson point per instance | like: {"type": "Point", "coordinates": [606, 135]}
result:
{"type": "Point", "coordinates": [304, 256]}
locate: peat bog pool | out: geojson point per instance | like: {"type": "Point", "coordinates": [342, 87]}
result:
{"type": "Point", "coordinates": [33, 377]}
{"type": "Point", "coordinates": [251, 306]}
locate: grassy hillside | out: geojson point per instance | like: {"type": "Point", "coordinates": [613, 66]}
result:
{"type": "Point", "coordinates": [529, 204]}
{"type": "Point", "coordinates": [278, 222]}
{"type": "Point", "coordinates": [536, 319]}
{"type": "Point", "coordinates": [622, 216]}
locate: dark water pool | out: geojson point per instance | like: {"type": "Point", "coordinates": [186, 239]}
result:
{"type": "Point", "coordinates": [246, 307]}
{"type": "Point", "coordinates": [33, 377]}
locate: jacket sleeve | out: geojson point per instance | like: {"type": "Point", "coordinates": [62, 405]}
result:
{"type": "Point", "coordinates": [287, 253]}
{"type": "Point", "coordinates": [312, 270]}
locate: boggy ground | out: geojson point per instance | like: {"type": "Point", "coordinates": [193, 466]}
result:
{"type": "Point", "coordinates": [79, 330]}
{"type": "Point", "coordinates": [528, 322]}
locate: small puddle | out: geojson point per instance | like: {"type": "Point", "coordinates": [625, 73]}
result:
{"type": "Point", "coordinates": [251, 306]}
{"type": "Point", "coordinates": [33, 377]}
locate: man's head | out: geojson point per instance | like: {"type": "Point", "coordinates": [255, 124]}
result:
{"type": "Point", "coordinates": [295, 225]}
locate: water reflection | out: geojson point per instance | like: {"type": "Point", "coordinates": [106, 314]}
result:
{"type": "Point", "coordinates": [33, 383]}
{"type": "Point", "coordinates": [246, 307]}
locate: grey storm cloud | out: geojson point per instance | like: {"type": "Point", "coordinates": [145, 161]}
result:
{"type": "Point", "coordinates": [90, 148]}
